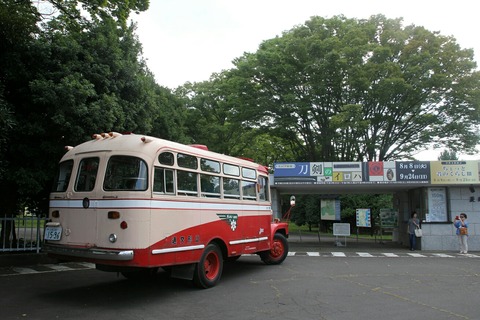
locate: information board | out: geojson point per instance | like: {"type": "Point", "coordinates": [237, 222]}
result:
{"type": "Point", "coordinates": [341, 229]}
{"type": "Point", "coordinates": [363, 218]}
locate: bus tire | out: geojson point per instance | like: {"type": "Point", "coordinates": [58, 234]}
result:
{"type": "Point", "coordinates": [278, 252]}
{"type": "Point", "coordinates": [209, 269]}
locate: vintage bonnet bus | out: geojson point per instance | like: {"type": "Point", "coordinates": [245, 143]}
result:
{"type": "Point", "coordinates": [133, 204]}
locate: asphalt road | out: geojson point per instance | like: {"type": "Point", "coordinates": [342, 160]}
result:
{"type": "Point", "coordinates": [303, 287]}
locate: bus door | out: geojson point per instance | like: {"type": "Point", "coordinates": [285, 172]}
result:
{"type": "Point", "coordinates": [253, 230]}
{"type": "Point", "coordinates": [80, 221]}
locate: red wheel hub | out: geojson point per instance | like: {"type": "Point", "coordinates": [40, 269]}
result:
{"type": "Point", "coordinates": [211, 265]}
{"type": "Point", "coordinates": [277, 249]}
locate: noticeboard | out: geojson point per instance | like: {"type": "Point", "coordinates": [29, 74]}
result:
{"type": "Point", "coordinates": [341, 229]}
{"type": "Point", "coordinates": [388, 218]}
{"type": "Point", "coordinates": [363, 218]}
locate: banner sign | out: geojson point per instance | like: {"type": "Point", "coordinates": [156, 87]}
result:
{"type": "Point", "coordinates": [455, 172]}
{"type": "Point", "coordinates": [377, 172]}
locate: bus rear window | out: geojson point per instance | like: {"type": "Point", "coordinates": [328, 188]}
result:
{"type": "Point", "coordinates": [126, 173]}
{"type": "Point", "coordinates": [63, 176]}
{"type": "Point", "coordinates": [87, 174]}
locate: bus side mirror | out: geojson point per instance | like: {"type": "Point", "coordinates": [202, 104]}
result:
{"type": "Point", "coordinates": [292, 201]}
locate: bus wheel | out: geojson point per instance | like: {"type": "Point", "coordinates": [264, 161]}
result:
{"type": "Point", "coordinates": [209, 269]}
{"type": "Point", "coordinates": [278, 252]}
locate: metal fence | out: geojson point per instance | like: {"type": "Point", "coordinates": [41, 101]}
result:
{"type": "Point", "coordinates": [21, 233]}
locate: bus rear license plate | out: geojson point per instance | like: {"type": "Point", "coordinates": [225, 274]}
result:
{"type": "Point", "coordinates": [53, 233]}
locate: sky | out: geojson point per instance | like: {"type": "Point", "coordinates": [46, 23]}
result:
{"type": "Point", "coordinates": [189, 40]}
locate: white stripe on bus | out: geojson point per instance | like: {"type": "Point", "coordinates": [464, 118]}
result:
{"type": "Point", "coordinates": [248, 240]}
{"type": "Point", "coordinates": [156, 204]}
{"type": "Point", "coordinates": [178, 249]}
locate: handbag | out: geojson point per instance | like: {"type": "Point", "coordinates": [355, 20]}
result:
{"type": "Point", "coordinates": [418, 232]}
{"type": "Point", "coordinates": [463, 231]}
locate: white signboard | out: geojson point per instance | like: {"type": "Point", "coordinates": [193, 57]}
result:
{"type": "Point", "coordinates": [341, 229]}
{"type": "Point", "coordinates": [437, 205]}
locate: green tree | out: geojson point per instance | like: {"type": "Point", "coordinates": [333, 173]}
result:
{"type": "Point", "coordinates": [349, 204]}
{"type": "Point", "coordinates": [348, 89]}
{"type": "Point", "coordinates": [216, 116]}
{"type": "Point", "coordinates": [74, 13]}
{"type": "Point", "coordinates": [448, 155]}
{"type": "Point", "coordinates": [213, 115]}
{"type": "Point", "coordinates": [58, 85]}
{"type": "Point", "coordinates": [170, 118]}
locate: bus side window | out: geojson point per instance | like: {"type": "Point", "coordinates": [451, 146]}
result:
{"type": "Point", "coordinates": [263, 188]}
{"type": "Point", "coordinates": [231, 188]}
{"type": "Point", "coordinates": [169, 181]}
{"type": "Point", "coordinates": [187, 183]}
{"type": "Point", "coordinates": [210, 186]}
{"type": "Point", "coordinates": [163, 180]}
{"type": "Point", "coordinates": [159, 180]}
{"type": "Point", "coordinates": [248, 189]}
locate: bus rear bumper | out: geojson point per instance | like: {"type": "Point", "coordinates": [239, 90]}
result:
{"type": "Point", "coordinates": [88, 253]}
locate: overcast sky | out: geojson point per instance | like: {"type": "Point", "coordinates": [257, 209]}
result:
{"type": "Point", "coordinates": [188, 40]}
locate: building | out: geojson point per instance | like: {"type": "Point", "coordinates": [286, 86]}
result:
{"type": "Point", "coordinates": [437, 190]}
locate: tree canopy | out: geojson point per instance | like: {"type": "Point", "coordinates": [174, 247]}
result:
{"type": "Point", "coordinates": [61, 82]}
{"type": "Point", "coordinates": [350, 89]}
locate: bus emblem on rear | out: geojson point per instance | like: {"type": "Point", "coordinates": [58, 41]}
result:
{"type": "Point", "coordinates": [230, 219]}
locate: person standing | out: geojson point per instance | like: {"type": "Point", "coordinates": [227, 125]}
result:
{"type": "Point", "coordinates": [413, 223]}
{"type": "Point", "coordinates": [461, 224]}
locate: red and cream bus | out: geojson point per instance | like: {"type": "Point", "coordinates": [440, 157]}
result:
{"type": "Point", "coordinates": [132, 204]}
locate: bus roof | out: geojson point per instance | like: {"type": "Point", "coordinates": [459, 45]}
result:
{"type": "Point", "coordinates": [150, 146]}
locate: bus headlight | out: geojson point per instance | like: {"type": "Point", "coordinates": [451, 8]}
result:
{"type": "Point", "coordinates": [112, 238]}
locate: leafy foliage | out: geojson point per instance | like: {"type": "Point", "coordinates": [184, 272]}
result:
{"type": "Point", "coordinates": [62, 83]}
{"type": "Point", "coordinates": [347, 89]}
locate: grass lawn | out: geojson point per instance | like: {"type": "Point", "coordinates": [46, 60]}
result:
{"type": "Point", "coordinates": [365, 233]}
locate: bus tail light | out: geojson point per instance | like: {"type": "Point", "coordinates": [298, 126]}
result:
{"type": "Point", "coordinates": [55, 214]}
{"type": "Point", "coordinates": [113, 215]}
{"type": "Point", "coordinates": [124, 225]}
